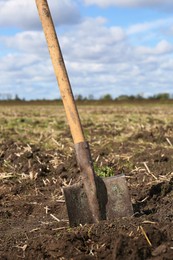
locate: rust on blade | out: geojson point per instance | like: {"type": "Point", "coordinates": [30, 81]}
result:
{"type": "Point", "coordinates": [118, 197]}
{"type": "Point", "coordinates": [77, 204]}
{"type": "Point", "coordinates": [113, 196]}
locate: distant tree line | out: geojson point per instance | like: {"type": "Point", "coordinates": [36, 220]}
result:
{"type": "Point", "coordinates": [106, 97]}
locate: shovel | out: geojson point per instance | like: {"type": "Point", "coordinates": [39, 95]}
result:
{"type": "Point", "coordinates": [92, 199]}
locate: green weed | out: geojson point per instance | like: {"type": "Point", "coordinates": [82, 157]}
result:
{"type": "Point", "coordinates": [104, 171]}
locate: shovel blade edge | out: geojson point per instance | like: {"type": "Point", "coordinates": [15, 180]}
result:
{"type": "Point", "coordinates": [113, 196]}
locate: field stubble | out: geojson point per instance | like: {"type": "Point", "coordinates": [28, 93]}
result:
{"type": "Point", "coordinates": [37, 159]}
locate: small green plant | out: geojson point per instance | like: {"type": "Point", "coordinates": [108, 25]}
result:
{"type": "Point", "coordinates": [104, 171]}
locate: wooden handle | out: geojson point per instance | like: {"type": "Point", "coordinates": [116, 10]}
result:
{"type": "Point", "coordinates": [60, 71]}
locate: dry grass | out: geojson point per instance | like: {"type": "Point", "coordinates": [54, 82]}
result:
{"type": "Point", "coordinates": [109, 129]}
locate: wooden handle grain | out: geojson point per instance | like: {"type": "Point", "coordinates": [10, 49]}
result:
{"type": "Point", "coordinates": [60, 71]}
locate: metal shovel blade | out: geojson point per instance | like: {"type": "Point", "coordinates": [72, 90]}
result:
{"type": "Point", "coordinates": [113, 196]}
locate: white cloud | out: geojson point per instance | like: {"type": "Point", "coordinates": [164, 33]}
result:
{"type": "Point", "coordinates": [99, 60]}
{"type": "Point", "coordinates": [92, 39]}
{"type": "Point", "coordinates": [27, 75]}
{"type": "Point", "coordinates": [23, 14]}
{"type": "Point", "coordinates": [162, 48]}
{"type": "Point", "coordinates": [147, 26]}
{"type": "Point", "coordinates": [27, 41]}
{"type": "Point", "coordinates": [166, 4]}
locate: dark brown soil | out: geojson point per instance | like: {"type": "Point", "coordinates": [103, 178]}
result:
{"type": "Point", "coordinates": [33, 217]}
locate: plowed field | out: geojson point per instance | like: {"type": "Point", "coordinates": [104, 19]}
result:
{"type": "Point", "coordinates": [37, 160]}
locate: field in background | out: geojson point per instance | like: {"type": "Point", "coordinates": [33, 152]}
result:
{"type": "Point", "coordinates": [37, 159]}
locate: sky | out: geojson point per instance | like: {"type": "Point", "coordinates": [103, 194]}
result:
{"type": "Point", "coordinates": [120, 47]}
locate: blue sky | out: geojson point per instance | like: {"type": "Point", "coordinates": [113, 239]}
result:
{"type": "Point", "coordinates": [110, 46]}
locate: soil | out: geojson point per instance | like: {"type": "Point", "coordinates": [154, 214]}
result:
{"type": "Point", "coordinates": [33, 216]}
